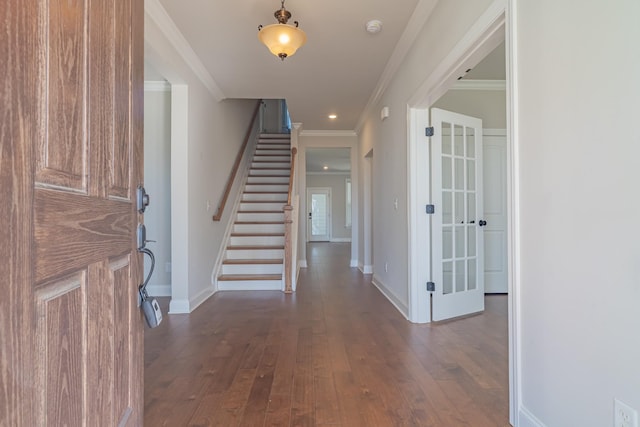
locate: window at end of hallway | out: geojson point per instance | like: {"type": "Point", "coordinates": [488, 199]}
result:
{"type": "Point", "coordinates": [347, 192]}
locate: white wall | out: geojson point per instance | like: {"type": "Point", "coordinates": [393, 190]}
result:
{"type": "Point", "coordinates": [488, 105]}
{"type": "Point", "coordinates": [206, 134]}
{"type": "Point", "coordinates": [447, 24]}
{"type": "Point", "coordinates": [337, 183]}
{"type": "Point", "coordinates": [579, 167]}
{"type": "Point", "coordinates": [157, 181]}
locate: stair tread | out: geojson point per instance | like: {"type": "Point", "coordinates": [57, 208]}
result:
{"type": "Point", "coordinates": [257, 234]}
{"type": "Point", "coordinates": [267, 176]}
{"type": "Point", "coordinates": [272, 155]}
{"type": "Point", "coordinates": [261, 201]}
{"type": "Point", "coordinates": [263, 212]}
{"type": "Point", "coordinates": [267, 183]}
{"type": "Point", "coordinates": [266, 192]}
{"type": "Point", "coordinates": [239, 277]}
{"type": "Point", "coordinates": [258, 222]}
{"type": "Point", "coordinates": [253, 261]}
{"type": "Point", "coordinates": [252, 247]}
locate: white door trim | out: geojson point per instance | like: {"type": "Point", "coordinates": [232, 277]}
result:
{"type": "Point", "coordinates": [497, 22]}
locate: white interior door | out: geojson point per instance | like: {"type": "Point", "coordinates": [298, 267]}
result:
{"type": "Point", "coordinates": [494, 154]}
{"type": "Point", "coordinates": [458, 245]}
{"type": "Point", "coordinates": [319, 215]}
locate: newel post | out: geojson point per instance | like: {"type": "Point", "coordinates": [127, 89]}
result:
{"type": "Point", "coordinates": [288, 221]}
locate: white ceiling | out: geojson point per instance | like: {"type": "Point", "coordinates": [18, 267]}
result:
{"type": "Point", "coordinates": [337, 160]}
{"type": "Point", "coordinates": [335, 72]}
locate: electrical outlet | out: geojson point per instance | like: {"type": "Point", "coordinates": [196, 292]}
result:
{"type": "Point", "coordinates": [624, 415]}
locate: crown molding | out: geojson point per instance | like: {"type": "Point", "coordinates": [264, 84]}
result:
{"type": "Point", "coordinates": [333, 133]}
{"type": "Point", "coordinates": [418, 19]}
{"type": "Point", "coordinates": [157, 86]}
{"type": "Point", "coordinates": [480, 85]}
{"type": "Point", "coordinates": [157, 13]}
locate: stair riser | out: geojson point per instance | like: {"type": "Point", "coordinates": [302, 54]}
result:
{"type": "Point", "coordinates": [273, 149]}
{"type": "Point", "coordinates": [250, 285]}
{"type": "Point", "coordinates": [266, 197]}
{"type": "Point", "coordinates": [272, 165]}
{"type": "Point", "coordinates": [255, 254]}
{"type": "Point", "coordinates": [267, 158]}
{"type": "Point", "coordinates": [270, 152]}
{"type": "Point", "coordinates": [260, 217]}
{"type": "Point", "coordinates": [276, 206]}
{"type": "Point", "coordinates": [268, 179]}
{"type": "Point", "coordinates": [256, 240]}
{"type": "Point", "coordinates": [267, 188]}
{"type": "Point", "coordinates": [267, 172]}
{"type": "Point", "coordinates": [259, 269]}
{"type": "Point", "coordinates": [277, 145]}
{"type": "Point", "coordinates": [258, 228]}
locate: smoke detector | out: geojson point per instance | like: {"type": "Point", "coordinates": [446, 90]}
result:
{"type": "Point", "coordinates": [374, 26]}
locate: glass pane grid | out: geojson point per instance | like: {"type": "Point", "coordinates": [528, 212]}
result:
{"type": "Point", "coordinates": [459, 241]}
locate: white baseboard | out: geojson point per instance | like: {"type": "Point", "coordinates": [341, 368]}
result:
{"type": "Point", "coordinates": [366, 269]}
{"type": "Point", "coordinates": [201, 297]}
{"type": "Point", "coordinates": [340, 240]}
{"type": "Point", "coordinates": [159, 290]}
{"type": "Point", "coordinates": [354, 263]}
{"type": "Point", "coordinates": [185, 306]}
{"type": "Point", "coordinates": [179, 306]}
{"type": "Point", "coordinates": [302, 263]}
{"type": "Point", "coordinates": [402, 307]}
{"type": "Point", "coordinates": [527, 419]}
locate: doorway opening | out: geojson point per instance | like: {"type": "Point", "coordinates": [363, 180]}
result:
{"type": "Point", "coordinates": [329, 213]}
{"type": "Point", "coordinates": [491, 29]}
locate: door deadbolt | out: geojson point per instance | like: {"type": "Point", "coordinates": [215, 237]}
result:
{"type": "Point", "coordinates": [142, 199]}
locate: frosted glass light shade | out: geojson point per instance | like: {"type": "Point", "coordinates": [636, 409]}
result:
{"type": "Point", "coordinates": [282, 40]}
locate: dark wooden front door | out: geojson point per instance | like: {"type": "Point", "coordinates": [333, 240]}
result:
{"type": "Point", "coordinates": [71, 115]}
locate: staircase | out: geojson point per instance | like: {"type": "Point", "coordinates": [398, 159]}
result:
{"type": "Point", "coordinates": [254, 256]}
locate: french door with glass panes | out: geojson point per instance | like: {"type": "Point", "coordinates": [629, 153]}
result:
{"type": "Point", "coordinates": [457, 246]}
{"type": "Point", "coordinates": [319, 214]}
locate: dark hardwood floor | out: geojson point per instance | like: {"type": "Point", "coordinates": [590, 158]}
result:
{"type": "Point", "coordinates": [335, 353]}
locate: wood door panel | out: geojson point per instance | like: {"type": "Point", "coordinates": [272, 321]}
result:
{"type": "Point", "coordinates": [121, 149]}
{"type": "Point", "coordinates": [120, 272]}
{"type": "Point", "coordinates": [61, 328]}
{"type": "Point", "coordinates": [101, 92]}
{"type": "Point", "coordinates": [100, 355]}
{"type": "Point", "coordinates": [72, 231]}
{"type": "Point", "coordinates": [70, 159]}
{"type": "Point", "coordinates": [63, 154]}
{"type": "Point", "coordinates": [18, 126]}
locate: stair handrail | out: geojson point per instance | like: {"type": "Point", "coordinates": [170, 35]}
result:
{"type": "Point", "coordinates": [236, 166]}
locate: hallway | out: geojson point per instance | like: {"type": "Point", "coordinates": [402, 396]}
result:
{"type": "Point", "coordinates": [336, 353]}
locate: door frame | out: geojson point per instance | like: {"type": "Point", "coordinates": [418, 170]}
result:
{"type": "Point", "coordinates": [309, 192]}
{"type": "Point", "coordinates": [497, 23]}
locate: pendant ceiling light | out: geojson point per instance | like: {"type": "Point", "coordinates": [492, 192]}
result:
{"type": "Point", "coordinates": [282, 39]}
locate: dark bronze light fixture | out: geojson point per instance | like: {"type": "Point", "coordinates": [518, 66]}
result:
{"type": "Point", "coordinates": [282, 39]}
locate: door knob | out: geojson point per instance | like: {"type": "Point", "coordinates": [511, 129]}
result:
{"type": "Point", "coordinates": [482, 223]}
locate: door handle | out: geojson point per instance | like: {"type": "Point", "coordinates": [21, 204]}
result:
{"type": "Point", "coordinates": [482, 223]}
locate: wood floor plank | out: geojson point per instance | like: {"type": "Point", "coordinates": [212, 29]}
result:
{"type": "Point", "coordinates": [335, 353]}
